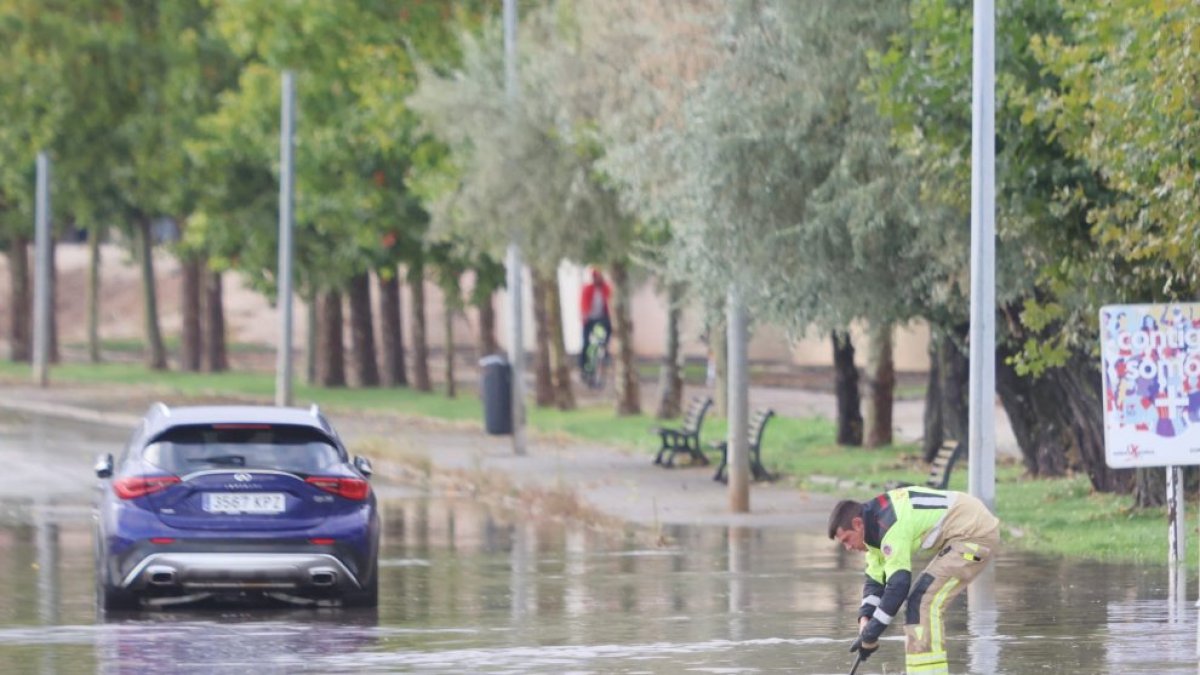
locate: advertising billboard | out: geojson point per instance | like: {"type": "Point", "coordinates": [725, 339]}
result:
{"type": "Point", "coordinates": [1151, 368]}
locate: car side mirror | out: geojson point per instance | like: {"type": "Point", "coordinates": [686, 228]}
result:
{"type": "Point", "coordinates": [363, 465]}
{"type": "Point", "coordinates": [104, 466]}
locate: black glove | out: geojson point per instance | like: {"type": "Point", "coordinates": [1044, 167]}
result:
{"type": "Point", "coordinates": [864, 650]}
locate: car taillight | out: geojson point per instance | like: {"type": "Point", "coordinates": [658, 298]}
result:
{"type": "Point", "coordinates": [131, 487]}
{"type": "Point", "coordinates": [350, 488]}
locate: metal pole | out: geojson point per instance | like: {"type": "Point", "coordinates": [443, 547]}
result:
{"type": "Point", "coordinates": [516, 326]}
{"type": "Point", "coordinates": [42, 280]}
{"type": "Point", "coordinates": [1176, 535]}
{"type": "Point", "coordinates": [982, 437]}
{"type": "Point", "coordinates": [739, 405]}
{"type": "Point", "coordinates": [283, 356]}
{"type": "Point", "coordinates": [512, 85]}
{"type": "Point", "coordinates": [516, 345]}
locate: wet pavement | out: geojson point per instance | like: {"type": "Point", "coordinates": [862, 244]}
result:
{"type": "Point", "coordinates": [468, 588]}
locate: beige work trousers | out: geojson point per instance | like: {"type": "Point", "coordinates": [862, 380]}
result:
{"type": "Point", "coordinates": [955, 566]}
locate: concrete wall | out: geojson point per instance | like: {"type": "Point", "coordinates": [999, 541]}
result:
{"type": "Point", "coordinates": [251, 319]}
{"type": "Point", "coordinates": [768, 342]}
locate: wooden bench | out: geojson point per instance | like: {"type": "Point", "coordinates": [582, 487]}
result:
{"type": "Point", "coordinates": [939, 471]}
{"type": "Point", "coordinates": [685, 438]}
{"type": "Point", "coordinates": [754, 435]}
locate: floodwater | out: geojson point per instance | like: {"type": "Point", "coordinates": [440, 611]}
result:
{"type": "Point", "coordinates": [465, 589]}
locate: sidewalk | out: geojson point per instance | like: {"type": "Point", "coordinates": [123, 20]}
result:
{"type": "Point", "coordinates": [605, 480]}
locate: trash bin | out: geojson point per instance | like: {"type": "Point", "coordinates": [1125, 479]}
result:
{"type": "Point", "coordinates": [496, 389]}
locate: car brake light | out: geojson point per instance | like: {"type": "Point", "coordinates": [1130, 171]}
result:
{"type": "Point", "coordinates": [162, 540]}
{"type": "Point", "coordinates": [131, 487]}
{"type": "Point", "coordinates": [350, 488]}
{"type": "Point", "coordinates": [321, 541]}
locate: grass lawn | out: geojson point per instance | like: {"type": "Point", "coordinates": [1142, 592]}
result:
{"type": "Point", "coordinates": [1059, 516]}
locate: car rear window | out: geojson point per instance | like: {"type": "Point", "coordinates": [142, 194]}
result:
{"type": "Point", "coordinates": [198, 448]}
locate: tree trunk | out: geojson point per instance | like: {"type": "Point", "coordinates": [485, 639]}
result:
{"type": "Point", "coordinates": [216, 357]}
{"type": "Point", "coordinates": [362, 332]}
{"type": "Point", "coordinates": [543, 388]}
{"type": "Point", "coordinates": [190, 344]}
{"type": "Point", "coordinates": [156, 352]}
{"type": "Point", "coordinates": [331, 352]}
{"type": "Point", "coordinates": [882, 386]}
{"type": "Point", "coordinates": [416, 283]}
{"type": "Point", "coordinates": [1039, 438]}
{"type": "Point", "coordinates": [20, 334]}
{"type": "Point", "coordinates": [628, 395]}
{"type": "Point", "coordinates": [391, 330]}
{"type": "Point", "coordinates": [1150, 487]}
{"type": "Point", "coordinates": [849, 413]}
{"type": "Point", "coordinates": [93, 294]}
{"type": "Point", "coordinates": [670, 374]}
{"type": "Point", "coordinates": [487, 326]}
{"type": "Point", "coordinates": [1058, 420]}
{"type": "Point", "coordinates": [955, 371]}
{"type": "Point", "coordinates": [311, 336]}
{"type": "Point", "coordinates": [448, 329]}
{"type": "Point", "coordinates": [934, 420]}
{"type": "Point", "coordinates": [719, 344]}
{"type": "Point", "coordinates": [560, 360]}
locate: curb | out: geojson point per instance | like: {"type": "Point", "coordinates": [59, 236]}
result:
{"type": "Point", "coordinates": [117, 420]}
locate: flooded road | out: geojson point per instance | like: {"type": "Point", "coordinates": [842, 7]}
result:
{"type": "Point", "coordinates": [468, 589]}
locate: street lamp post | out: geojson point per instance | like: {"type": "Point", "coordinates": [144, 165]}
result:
{"type": "Point", "coordinates": [513, 263]}
{"type": "Point", "coordinates": [982, 415]}
{"type": "Point", "coordinates": [283, 358]}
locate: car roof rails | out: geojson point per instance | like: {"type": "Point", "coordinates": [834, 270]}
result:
{"type": "Point", "coordinates": [315, 411]}
{"type": "Point", "coordinates": [158, 409]}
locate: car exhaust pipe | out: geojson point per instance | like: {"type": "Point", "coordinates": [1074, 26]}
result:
{"type": "Point", "coordinates": [322, 576]}
{"type": "Point", "coordinates": [161, 575]}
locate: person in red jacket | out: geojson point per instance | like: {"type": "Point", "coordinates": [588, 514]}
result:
{"type": "Point", "coordinates": [593, 307]}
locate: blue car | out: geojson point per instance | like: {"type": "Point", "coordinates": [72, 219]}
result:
{"type": "Point", "coordinates": [235, 501]}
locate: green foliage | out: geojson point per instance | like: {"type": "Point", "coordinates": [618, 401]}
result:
{"type": "Point", "coordinates": [1059, 219]}
{"type": "Point", "coordinates": [775, 175]}
{"type": "Point", "coordinates": [1125, 105]}
{"type": "Point", "coordinates": [356, 138]}
{"type": "Point", "coordinates": [522, 170]}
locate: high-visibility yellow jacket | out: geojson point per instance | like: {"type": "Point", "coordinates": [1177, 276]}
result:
{"type": "Point", "coordinates": [898, 524]}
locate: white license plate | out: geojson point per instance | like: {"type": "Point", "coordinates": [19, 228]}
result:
{"type": "Point", "coordinates": [243, 502]}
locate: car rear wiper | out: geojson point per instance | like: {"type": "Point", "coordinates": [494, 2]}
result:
{"type": "Point", "coordinates": [227, 460]}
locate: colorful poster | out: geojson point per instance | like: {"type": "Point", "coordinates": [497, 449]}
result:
{"type": "Point", "coordinates": [1151, 360]}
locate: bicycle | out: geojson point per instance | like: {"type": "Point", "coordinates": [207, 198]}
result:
{"type": "Point", "coordinates": [596, 358]}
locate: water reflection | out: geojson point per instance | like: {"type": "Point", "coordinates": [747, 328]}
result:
{"type": "Point", "coordinates": [197, 641]}
{"type": "Point", "coordinates": [468, 589]}
{"type": "Point", "coordinates": [983, 623]}
{"type": "Point", "coordinates": [465, 588]}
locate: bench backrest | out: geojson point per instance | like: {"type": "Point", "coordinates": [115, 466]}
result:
{"type": "Point", "coordinates": [698, 406]}
{"type": "Point", "coordinates": [943, 462]}
{"type": "Point", "coordinates": [758, 422]}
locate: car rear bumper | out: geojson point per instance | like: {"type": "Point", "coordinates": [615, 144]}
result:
{"type": "Point", "coordinates": [228, 571]}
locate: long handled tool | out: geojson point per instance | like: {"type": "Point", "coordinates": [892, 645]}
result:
{"type": "Point", "coordinates": [854, 668]}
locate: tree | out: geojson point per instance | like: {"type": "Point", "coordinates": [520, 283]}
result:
{"type": "Point", "coordinates": [356, 138]}
{"type": "Point", "coordinates": [789, 193]}
{"type": "Point", "coordinates": [557, 205]}
{"type": "Point", "coordinates": [449, 262]}
{"type": "Point", "coordinates": [1118, 100]}
{"type": "Point", "coordinates": [1050, 267]}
